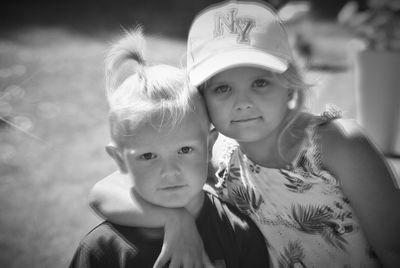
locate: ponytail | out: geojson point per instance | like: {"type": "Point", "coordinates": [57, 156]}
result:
{"type": "Point", "coordinates": [125, 58]}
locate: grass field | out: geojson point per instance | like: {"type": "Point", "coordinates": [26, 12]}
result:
{"type": "Point", "coordinates": [52, 147]}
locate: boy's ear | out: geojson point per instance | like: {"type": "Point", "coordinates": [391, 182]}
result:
{"type": "Point", "coordinates": [115, 154]}
{"type": "Point", "coordinates": [212, 137]}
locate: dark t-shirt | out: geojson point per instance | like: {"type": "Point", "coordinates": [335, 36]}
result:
{"type": "Point", "coordinates": [230, 239]}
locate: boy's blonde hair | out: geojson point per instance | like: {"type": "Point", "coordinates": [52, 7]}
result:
{"type": "Point", "coordinates": [138, 93]}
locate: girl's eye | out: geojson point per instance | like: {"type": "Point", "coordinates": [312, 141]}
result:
{"type": "Point", "coordinates": [185, 150]}
{"type": "Point", "coordinates": [222, 89]}
{"type": "Point", "coordinates": [260, 83]}
{"type": "Point", "coordinates": [148, 156]}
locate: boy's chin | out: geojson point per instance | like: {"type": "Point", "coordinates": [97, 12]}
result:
{"type": "Point", "coordinates": [173, 203]}
{"type": "Point", "coordinates": [190, 202]}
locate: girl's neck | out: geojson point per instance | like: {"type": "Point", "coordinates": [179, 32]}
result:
{"type": "Point", "coordinates": [272, 153]}
{"type": "Point", "coordinates": [264, 152]}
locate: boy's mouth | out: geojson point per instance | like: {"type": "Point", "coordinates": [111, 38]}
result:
{"type": "Point", "coordinates": [172, 187]}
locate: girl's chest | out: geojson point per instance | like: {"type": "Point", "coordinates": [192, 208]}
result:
{"type": "Point", "coordinates": [300, 212]}
{"type": "Point", "coordinates": [278, 195]}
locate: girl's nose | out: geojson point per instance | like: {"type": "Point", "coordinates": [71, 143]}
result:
{"type": "Point", "coordinates": [243, 102]}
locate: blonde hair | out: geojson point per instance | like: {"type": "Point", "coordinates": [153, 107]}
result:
{"type": "Point", "coordinates": [138, 93]}
{"type": "Point", "coordinates": [293, 80]}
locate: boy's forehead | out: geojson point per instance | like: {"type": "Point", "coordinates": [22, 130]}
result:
{"type": "Point", "coordinates": [159, 128]}
{"type": "Point", "coordinates": [164, 122]}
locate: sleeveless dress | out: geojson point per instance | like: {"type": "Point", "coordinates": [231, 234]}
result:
{"type": "Point", "coordinates": [301, 210]}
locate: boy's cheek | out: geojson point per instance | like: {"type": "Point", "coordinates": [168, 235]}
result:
{"type": "Point", "coordinates": [140, 173]}
{"type": "Point", "coordinates": [198, 168]}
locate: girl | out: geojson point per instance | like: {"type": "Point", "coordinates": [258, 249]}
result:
{"type": "Point", "coordinates": [320, 192]}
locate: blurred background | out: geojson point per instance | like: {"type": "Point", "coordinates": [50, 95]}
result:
{"type": "Point", "coordinates": [53, 114]}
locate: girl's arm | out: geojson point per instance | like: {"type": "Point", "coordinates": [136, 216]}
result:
{"type": "Point", "coordinates": [114, 199]}
{"type": "Point", "coordinates": [368, 182]}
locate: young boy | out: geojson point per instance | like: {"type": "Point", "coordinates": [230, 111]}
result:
{"type": "Point", "coordinates": [161, 137]}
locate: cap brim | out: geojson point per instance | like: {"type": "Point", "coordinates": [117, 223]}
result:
{"type": "Point", "coordinates": [226, 60]}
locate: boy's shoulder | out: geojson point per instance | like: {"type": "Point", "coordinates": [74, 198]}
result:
{"type": "Point", "coordinates": [98, 248]}
{"type": "Point", "coordinates": [112, 245]}
{"type": "Point", "coordinates": [225, 213]}
{"type": "Point", "coordinates": [105, 236]}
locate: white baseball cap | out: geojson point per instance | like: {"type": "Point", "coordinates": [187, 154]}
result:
{"type": "Point", "coordinates": [236, 33]}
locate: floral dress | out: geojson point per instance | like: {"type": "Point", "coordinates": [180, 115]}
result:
{"type": "Point", "coordinates": [301, 210]}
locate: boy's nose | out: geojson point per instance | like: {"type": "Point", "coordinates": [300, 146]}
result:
{"type": "Point", "coordinates": [170, 168]}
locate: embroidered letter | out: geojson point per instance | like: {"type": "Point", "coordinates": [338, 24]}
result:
{"type": "Point", "coordinates": [244, 25]}
{"type": "Point", "coordinates": [240, 26]}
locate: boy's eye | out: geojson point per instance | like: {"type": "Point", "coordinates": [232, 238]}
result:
{"type": "Point", "coordinates": [185, 150]}
{"type": "Point", "coordinates": [147, 156]}
{"type": "Point", "coordinates": [222, 89]}
{"type": "Point", "coordinates": [260, 83]}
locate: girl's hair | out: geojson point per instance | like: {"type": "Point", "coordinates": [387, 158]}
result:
{"type": "Point", "coordinates": [138, 93]}
{"type": "Point", "coordinates": [293, 80]}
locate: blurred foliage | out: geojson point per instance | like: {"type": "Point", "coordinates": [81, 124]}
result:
{"type": "Point", "coordinates": [377, 24]}
{"type": "Point", "coordinates": [108, 14]}
{"type": "Point", "coordinates": [111, 14]}
{"type": "Point", "coordinates": [328, 9]}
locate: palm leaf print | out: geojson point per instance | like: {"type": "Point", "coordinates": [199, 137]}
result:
{"type": "Point", "coordinates": [333, 238]}
{"type": "Point", "coordinates": [226, 175]}
{"type": "Point", "coordinates": [296, 182]}
{"type": "Point", "coordinates": [309, 165]}
{"type": "Point", "coordinates": [234, 173]}
{"type": "Point", "coordinates": [318, 220]}
{"type": "Point", "coordinates": [245, 198]}
{"type": "Point", "coordinates": [254, 168]}
{"type": "Point", "coordinates": [292, 255]}
{"type": "Point", "coordinates": [312, 219]}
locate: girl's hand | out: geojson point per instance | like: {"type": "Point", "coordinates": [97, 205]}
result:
{"type": "Point", "coordinates": [183, 246]}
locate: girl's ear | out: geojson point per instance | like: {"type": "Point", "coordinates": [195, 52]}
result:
{"type": "Point", "coordinates": [115, 154]}
{"type": "Point", "coordinates": [212, 137]}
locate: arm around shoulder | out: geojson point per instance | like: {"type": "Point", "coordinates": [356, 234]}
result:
{"type": "Point", "coordinates": [368, 182]}
{"type": "Point", "coordinates": [111, 198]}
{"type": "Point", "coordinates": [114, 199]}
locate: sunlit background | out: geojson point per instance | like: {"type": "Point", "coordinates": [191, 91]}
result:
{"type": "Point", "coordinates": [53, 114]}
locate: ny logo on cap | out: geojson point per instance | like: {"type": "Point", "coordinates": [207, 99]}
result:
{"type": "Point", "coordinates": [234, 25]}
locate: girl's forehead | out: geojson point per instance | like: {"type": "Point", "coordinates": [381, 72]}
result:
{"type": "Point", "coordinates": [242, 72]}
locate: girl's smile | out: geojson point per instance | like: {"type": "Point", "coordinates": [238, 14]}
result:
{"type": "Point", "coordinates": [246, 120]}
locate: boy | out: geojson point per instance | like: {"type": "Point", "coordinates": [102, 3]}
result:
{"type": "Point", "coordinates": [161, 138]}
